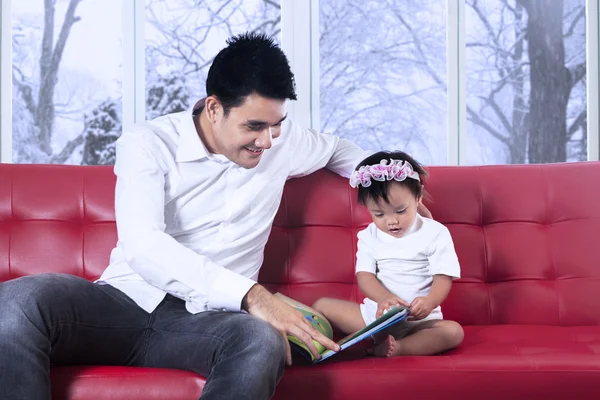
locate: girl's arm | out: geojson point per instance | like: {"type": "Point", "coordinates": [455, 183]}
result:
{"type": "Point", "coordinates": [421, 307]}
{"type": "Point", "coordinates": [439, 289]}
{"type": "Point", "coordinates": [373, 289]}
{"type": "Point", "coordinates": [443, 266]}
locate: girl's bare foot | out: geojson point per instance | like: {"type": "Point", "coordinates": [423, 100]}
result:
{"type": "Point", "coordinates": [386, 348]}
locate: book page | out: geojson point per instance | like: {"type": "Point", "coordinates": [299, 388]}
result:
{"type": "Point", "coordinates": [395, 314]}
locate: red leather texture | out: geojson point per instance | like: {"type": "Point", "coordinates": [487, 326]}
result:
{"type": "Point", "coordinates": [526, 237]}
{"type": "Point", "coordinates": [110, 383]}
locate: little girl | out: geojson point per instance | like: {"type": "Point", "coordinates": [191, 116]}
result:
{"type": "Point", "coordinates": [402, 259]}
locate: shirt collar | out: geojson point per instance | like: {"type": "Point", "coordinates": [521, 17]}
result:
{"type": "Point", "coordinates": [190, 147]}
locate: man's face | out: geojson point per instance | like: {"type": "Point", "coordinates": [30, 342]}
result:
{"type": "Point", "coordinates": [249, 129]}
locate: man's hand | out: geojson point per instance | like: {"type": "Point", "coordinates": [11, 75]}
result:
{"type": "Point", "coordinates": [382, 306]}
{"type": "Point", "coordinates": [286, 319]}
{"type": "Point", "coordinates": [421, 307]}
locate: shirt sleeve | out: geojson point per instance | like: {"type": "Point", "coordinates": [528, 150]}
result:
{"type": "Point", "coordinates": [442, 255]}
{"type": "Point", "coordinates": [149, 250]}
{"type": "Point", "coordinates": [311, 151]}
{"type": "Point", "coordinates": [365, 259]}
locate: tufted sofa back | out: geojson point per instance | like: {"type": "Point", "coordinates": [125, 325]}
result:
{"type": "Point", "coordinates": [527, 236]}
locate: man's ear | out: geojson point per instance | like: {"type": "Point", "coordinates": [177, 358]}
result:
{"type": "Point", "coordinates": [213, 108]}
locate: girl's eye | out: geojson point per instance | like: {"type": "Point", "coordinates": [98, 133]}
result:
{"type": "Point", "coordinates": [378, 215]}
{"type": "Point", "coordinates": [401, 211]}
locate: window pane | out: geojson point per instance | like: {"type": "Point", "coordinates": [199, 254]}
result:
{"type": "Point", "coordinates": [383, 75]}
{"type": "Point", "coordinates": [526, 72]}
{"type": "Point", "coordinates": [182, 38]}
{"type": "Point", "coordinates": [66, 81]}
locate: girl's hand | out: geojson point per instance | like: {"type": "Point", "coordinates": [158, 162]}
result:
{"type": "Point", "coordinates": [382, 306]}
{"type": "Point", "coordinates": [421, 307]}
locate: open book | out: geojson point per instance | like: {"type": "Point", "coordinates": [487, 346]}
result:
{"type": "Point", "coordinates": [320, 323]}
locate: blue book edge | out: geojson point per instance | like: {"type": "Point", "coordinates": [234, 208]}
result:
{"type": "Point", "coordinates": [398, 314]}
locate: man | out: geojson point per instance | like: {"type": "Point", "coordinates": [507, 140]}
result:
{"type": "Point", "coordinates": [196, 195]}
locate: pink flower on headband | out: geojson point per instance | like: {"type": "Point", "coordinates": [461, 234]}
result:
{"type": "Point", "coordinates": [397, 170]}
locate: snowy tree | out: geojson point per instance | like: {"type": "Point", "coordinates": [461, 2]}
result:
{"type": "Point", "coordinates": [383, 82]}
{"type": "Point", "coordinates": [523, 91]}
{"type": "Point", "coordinates": [185, 35]}
{"type": "Point", "coordinates": [551, 80]}
{"type": "Point", "coordinates": [382, 67]}
{"type": "Point", "coordinates": [103, 128]}
{"type": "Point", "coordinates": [166, 94]}
{"type": "Point", "coordinates": [36, 124]}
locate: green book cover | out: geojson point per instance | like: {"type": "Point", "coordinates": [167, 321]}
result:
{"type": "Point", "coordinates": [320, 323]}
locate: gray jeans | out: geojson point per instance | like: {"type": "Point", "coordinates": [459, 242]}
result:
{"type": "Point", "coordinates": [67, 320]}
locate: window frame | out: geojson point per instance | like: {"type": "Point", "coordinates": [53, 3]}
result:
{"type": "Point", "coordinates": [300, 42]}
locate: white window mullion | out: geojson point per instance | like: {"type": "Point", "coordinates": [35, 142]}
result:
{"type": "Point", "coordinates": [315, 73]}
{"type": "Point", "coordinates": [133, 63]}
{"type": "Point", "coordinates": [296, 43]}
{"type": "Point", "coordinates": [593, 103]}
{"type": "Point", "coordinates": [128, 86]}
{"type": "Point", "coordinates": [462, 85]}
{"type": "Point", "coordinates": [455, 72]}
{"type": "Point", "coordinates": [5, 82]}
{"type": "Point", "coordinates": [140, 60]}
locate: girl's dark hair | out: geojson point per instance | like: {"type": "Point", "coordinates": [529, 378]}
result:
{"type": "Point", "coordinates": [251, 63]}
{"type": "Point", "coordinates": [379, 190]}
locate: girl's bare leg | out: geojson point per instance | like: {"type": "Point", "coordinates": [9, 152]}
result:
{"type": "Point", "coordinates": [343, 315]}
{"type": "Point", "coordinates": [428, 338]}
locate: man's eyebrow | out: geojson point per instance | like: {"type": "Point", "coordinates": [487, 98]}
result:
{"type": "Point", "coordinates": [254, 122]}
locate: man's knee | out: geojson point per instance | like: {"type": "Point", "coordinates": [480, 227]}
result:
{"type": "Point", "coordinates": [251, 360]}
{"type": "Point", "coordinates": [34, 289]}
{"type": "Point", "coordinates": [249, 342]}
{"type": "Point", "coordinates": [25, 301]}
{"type": "Point", "coordinates": [261, 342]}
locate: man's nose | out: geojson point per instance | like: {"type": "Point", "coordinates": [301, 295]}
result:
{"type": "Point", "coordinates": [265, 140]}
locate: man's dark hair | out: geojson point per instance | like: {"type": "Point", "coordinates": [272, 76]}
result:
{"type": "Point", "coordinates": [251, 63]}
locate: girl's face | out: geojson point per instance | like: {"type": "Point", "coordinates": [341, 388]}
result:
{"type": "Point", "coordinates": [396, 217]}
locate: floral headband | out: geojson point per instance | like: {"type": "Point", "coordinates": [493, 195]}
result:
{"type": "Point", "coordinates": [397, 170]}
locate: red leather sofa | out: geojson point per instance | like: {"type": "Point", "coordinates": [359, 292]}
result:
{"type": "Point", "coordinates": [528, 239]}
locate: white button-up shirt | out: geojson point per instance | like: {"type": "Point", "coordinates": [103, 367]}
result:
{"type": "Point", "coordinates": [194, 224]}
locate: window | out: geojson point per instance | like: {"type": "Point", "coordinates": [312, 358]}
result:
{"type": "Point", "coordinates": [182, 38]}
{"type": "Point", "coordinates": [526, 81]}
{"type": "Point", "coordinates": [451, 82]}
{"type": "Point", "coordinates": [66, 76]}
{"type": "Point", "coordinates": [383, 75]}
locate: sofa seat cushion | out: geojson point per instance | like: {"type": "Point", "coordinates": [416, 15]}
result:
{"type": "Point", "coordinates": [494, 362]}
{"type": "Point", "coordinates": [529, 348]}
{"type": "Point", "coordinates": [120, 383]}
